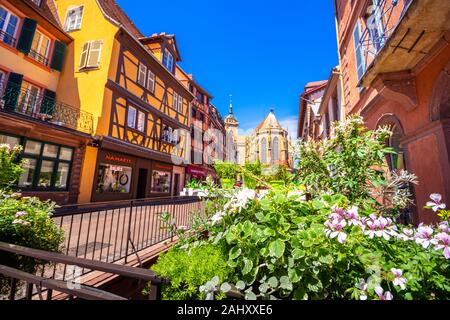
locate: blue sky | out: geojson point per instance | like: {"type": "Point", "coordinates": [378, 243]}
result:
{"type": "Point", "coordinates": [263, 52]}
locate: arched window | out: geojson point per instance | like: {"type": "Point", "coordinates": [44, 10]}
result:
{"type": "Point", "coordinates": [396, 161]}
{"type": "Point", "coordinates": [275, 150]}
{"type": "Point", "coordinates": [264, 150]}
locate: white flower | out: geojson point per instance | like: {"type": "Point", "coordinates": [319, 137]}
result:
{"type": "Point", "coordinates": [21, 222]}
{"type": "Point", "coordinates": [217, 217]}
{"type": "Point", "coordinates": [21, 214]}
{"type": "Point", "coordinates": [383, 295]}
{"type": "Point", "coordinates": [297, 194]}
{"type": "Point", "coordinates": [436, 204]}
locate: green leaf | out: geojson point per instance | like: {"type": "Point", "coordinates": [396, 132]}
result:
{"type": "Point", "coordinates": [273, 282]}
{"type": "Point", "coordinates": [235, 252]}
{"type": "Point", "coordinates": [248, 265]}
{"type": "Point", "coordinates": [270, 232]}
{"type": "Point", "coordinates": [250, 296]}
{"type": "Point", "coordinates": [295, 275]}
{"type": "Point", "coordinates": [263, 288]}
{"type": "Point", "coordinates": [276, 248]}
{"type": "Point", "coordinates": [285, 283]}
{"type": "Point", "coordinates": [240, 285]}
{"type": "Point", "coordinates": [298, 254]}
{"type": "Point", "coordinates": [225, 287]}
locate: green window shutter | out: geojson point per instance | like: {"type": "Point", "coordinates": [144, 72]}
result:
{"type": "Point", "coordinates": [12, 91]}
{"type": "Point", "coordinates": [27, 35]}
{"type": "Point", "coordinates": [59, 53]}
{"type": "Point", "coordinates": [48, 102]}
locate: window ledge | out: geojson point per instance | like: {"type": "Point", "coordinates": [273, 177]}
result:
{"type": "Point", "coordinates": [37, 63]}
{"type": "Point", "coordinates": [80, 70]}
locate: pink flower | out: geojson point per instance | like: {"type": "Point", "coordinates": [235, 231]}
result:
{"type": "Point", "coordinates": [436, 204]}
{"type": "Point", "coordinates": [337, 213]}
{"type": "Point", "coordinates": [398, 280]}
{"type": "Point", "coordinates": [383, 295]}
{"type": "Point", "coordinates": [353, 216]}
{"type": "Point", "coordinates": [424, 236]}
{"type": "Point", "coordinates": [407, 234]}
{"type": "Point", "coordinates": [21, 222]}
{"type": "Point", "coordinates": [21, 214]}
{"type": "Point", "coordinates": [372, 229]}
{"type": "Point", "coordinates": [383, 225]}
{"type": "Point", "coordinates": [363, 287]}
{"type": "Point", "coordinates": [443, 226]}
{"type": "Point", "coordinates": [443, 243]}
{"type": "Point", "coordinates": [335, 229]}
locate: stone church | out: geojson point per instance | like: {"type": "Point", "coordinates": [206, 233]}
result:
{"type": "Point", "coordinates": [269, 142]}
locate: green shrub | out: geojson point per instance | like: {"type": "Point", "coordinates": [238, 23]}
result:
{"type": "Point", "coordinates": [226, 170]}
{"type": "Point", "coordinates": [10, 169]}
{"type": "Point", "coordinates": [188, 270]}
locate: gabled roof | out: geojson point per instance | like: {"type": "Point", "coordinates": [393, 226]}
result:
{"type": "Point", "coordinates": [114, 11]}
{"type": "Point", "coordinates": [271, 121]}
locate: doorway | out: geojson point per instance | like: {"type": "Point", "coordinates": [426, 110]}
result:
{"type": "Point", "coordinates": [176, 184]}
{"type": "Point", "coordinates": [142, 184]}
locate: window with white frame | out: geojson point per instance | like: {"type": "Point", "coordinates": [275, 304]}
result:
{"type": "Point", "coordinates": [29, 98]}
{"type": "Point", "coordinates": [74, 18]}
{"type": "Point", "coordinates": [175, 101]}
{"type": "Point", "coordinates": [180, 104]}
{"type": "Point", "coordinates": [2, 82]}
{"type": "Point", "coordinates": [151, 82]}
{"type": "Point", "coordinates": [360, 63]}
{"type": "Point", "coordinates": [40, 47]}
{"type": "Point", "coordinates": [142, 74]}
{"type": "Point", "coordinates": [168, 60]}
{"type": "Point", "coordinates": [91, 54]}
{"type": "Point", "coordinates": [131, 117]}
{"type": "Point", "coordinates": [141, 121]}
{"type": "Point", "coordinates": [8, 27]}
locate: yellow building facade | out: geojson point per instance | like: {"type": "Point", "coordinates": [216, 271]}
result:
{"type": "Point", "coordinates": [141, 111]}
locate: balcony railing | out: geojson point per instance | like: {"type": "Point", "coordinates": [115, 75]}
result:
{"type": "Point", "coordinates": [384, 18]}
{"type": "Point", "coordinates": [38, 57]}
{"type": "Point", "coordinates": [7, 38]}
{"type": "Point", "coordinates": [38, 106]}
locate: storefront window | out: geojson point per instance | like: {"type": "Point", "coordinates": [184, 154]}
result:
{"type": "Point", "coordinates": [9, 140]}
{"type": "Point", "coordinates": [112, 178]}
{"type": "Point", "coordinates": [47, 166]}
{"type": "Point", "coordinates": [161, 181]}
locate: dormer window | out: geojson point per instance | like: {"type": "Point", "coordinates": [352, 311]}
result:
{"type": "Point", "coordinates": [168, 60]}
{"type": "Point", "coordinates": [73, 19]}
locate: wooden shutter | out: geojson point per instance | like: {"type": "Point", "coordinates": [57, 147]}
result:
{"type": "Point", "coordinates": [27, 35]}
{"type": "Point", "coordinates": [59, 53]}
{"type": "Point", "coordinates": [48, 102]}
{"type": "Point", "coordinates": [175, 101]}
{"type": "Point", "coordinates": [180, 104]}
{"type": "Point", "coordinates": [142, 73]}
{"type": "Point", "coordinates": [151, 82]}
{"type": "Point", "coordinates": [84, 55]}
{"type": "Point", "coordinates": [95, 52]}
{"type": "Point", "coordinates": [12, 91]}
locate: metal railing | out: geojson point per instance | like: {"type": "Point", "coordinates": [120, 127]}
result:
{"type": "Point", "coordinates": [384, 18]}
{"type": "Point", "coordinates": [35, 104]}
{"type": "Point", "coordinates": [7, 38]}
{"type": "Point", "coordinates": [27, 286]}
{"type": "Point", "coordinates": [38, 57]}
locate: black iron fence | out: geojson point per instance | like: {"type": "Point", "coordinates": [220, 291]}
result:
{"type": "Point", "coordinates": [101, 237]}
{"type": "Point", "coordinates": [33, 103]}
{"type": "Point", "coordinates": [383, 17]}
{"type": "Point", "coordinates": [7, 38]}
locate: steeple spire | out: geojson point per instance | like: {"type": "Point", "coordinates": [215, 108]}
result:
{"type": "Point", "coordinates": [231, 104]}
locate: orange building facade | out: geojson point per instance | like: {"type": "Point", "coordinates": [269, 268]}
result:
{"type": "Point", "coordinates": [395, 65]}
{"type": "Point", "coordinates": [53, 131]}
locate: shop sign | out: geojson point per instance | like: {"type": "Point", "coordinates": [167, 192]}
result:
{"type": "Point", "coordinates": [162, 167]}
{"type": "Point", "coordinates": [120, 159]}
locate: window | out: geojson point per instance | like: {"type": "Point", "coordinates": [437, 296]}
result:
{"type": "Point", "coordinates": [142, 74]}
{"type": "Point", "coordinates": [200, 97]}
{"type": "Point", "coordinates": [90, 54]}
{"type": "Point", "coordinates": [141, 121]}
{"type": "Point", "coordinates": [40, 48]}
{"type": "Point", "coordinates": [169, 135]}
{"type": "Point", "coordinates": [177, 102]}
{"type": "Point", "coordinates": [113, 178]}
{"type": "Point", "coordinates": [151, 81]}
{"type": "Point", "coordinates": [161, 181]}
{"type": "Point", "coordinates": [2, 82]}
{"type": "Point", "coordinates": [47, 166]}
{"type": "Point", "coordinates": [396, 161]}
{"type": "Point", "coordinates": [168, 60]}
{"type": "Point", "coordinates": [8, 27]}
{"type": "Point", "coordinates": [131, 117]}
{"type": "Point", "coordinates": [9, 140]}
{"type": "Point", "coordinates": [275, 150]}
{"type": "Point", "coordinates": [29, 99]}
{"type": "Point", "coordinates": [375, 25]}
{"type": "Point", "coordinates": [193, 113]}
{"type": "Point", "coordinates": [180, 104]}
{"type": "Point", "coordinates": [73, 19]}
{"type": "Point", "coordinates": [360, 65]}
{"type": "Point", "coordinates": [264, 151]}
